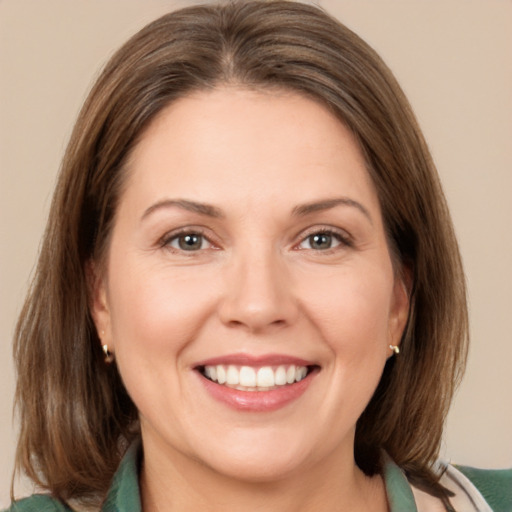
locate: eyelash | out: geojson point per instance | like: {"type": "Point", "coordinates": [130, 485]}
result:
{"type": "Point", "coordinates": [168, 238]}
{"type": "Point", "coordinates": [343, 239]}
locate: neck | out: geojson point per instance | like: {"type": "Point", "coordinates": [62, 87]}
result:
{"type": "Point", "coordinates": [179, 483]}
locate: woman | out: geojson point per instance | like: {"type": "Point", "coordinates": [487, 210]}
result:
{"type": "Point", "coordinates": [248, 278]}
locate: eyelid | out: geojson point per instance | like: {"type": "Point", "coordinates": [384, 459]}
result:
{"type": "Point", "coordinates": [165, 241]}
{"type": "Point", "coordinates": [341, 235]}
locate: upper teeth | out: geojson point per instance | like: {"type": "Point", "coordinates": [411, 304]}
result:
{"type": "Point", "coordinates": [255, 378]}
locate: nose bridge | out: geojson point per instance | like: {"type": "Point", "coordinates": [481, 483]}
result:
{"type": "Point", "coordinates": [258, 294]}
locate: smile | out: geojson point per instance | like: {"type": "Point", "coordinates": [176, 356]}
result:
{"type": "Point", "coordinates": [249, 378]}
{"type": "Point", "coordinates": [256, 383]}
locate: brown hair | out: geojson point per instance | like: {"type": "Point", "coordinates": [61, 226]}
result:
{"type": "Point", "coordinates": [76, 417]}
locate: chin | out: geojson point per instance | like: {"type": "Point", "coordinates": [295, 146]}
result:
{"type": "Point", "coordinates": [259, 459]}
{"type": "Point", "coordinates": [261, 470]}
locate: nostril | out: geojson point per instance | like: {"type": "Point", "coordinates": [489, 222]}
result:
{"type": "Point", "coordinates": [255, 325]}
{"type": "Point", "coordinates": [235, 323]}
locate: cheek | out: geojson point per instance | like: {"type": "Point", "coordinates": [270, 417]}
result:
{"type": "Point", "coordinates": [155, 311]}
{"type": "Point", "coordinates": [351, 309]}
{"type": "Point", "coordinates": [155, 315]}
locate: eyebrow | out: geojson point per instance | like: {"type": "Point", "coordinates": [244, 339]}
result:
{"type": "Point", "coordinates": [185, 204]}
{"type": "Point", "coordinates": [327, 204]}
{"type": "Point", "coordinates": [214, 212]}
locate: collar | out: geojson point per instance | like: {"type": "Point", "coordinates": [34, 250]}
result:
{"type": "Point", "coordinates": [124, 493]}
{"type": "Point", "coordinates": [398, 489]}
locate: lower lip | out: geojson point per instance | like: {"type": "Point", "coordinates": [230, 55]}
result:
{"type": "Point", "coordinates": [257, 401]}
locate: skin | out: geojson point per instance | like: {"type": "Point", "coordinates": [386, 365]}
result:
{"type": "Point", "coordinates": [256, 285]}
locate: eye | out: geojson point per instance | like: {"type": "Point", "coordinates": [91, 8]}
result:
{"type": "Point", "coordinates": [323, 240]}
{"type": "Point", "coordinates": [189, 241]}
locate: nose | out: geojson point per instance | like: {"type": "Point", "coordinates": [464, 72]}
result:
{"type": "Point", "coordinates": [259, 293]}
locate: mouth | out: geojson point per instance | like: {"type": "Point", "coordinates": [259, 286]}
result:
{"type": "Point", "coordinates": [256, 383]}
{"type": "Point", "coordinates": [256, 378]}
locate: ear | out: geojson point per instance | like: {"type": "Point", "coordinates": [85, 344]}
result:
{"type": "Point", "coordinates": [399, 313]}
{"type": "Point", "coordinates": [98, 302]}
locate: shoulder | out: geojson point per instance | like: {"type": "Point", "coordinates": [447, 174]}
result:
{"type": "Point", "coordinates": [495, 485]}
{"type": "Point", "coordinates": [38, 503]}
{"type": "Point", "coordinates": [123, 494]}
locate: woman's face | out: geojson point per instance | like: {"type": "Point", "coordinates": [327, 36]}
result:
{"type": "Point", "coordinates": [249, 246]}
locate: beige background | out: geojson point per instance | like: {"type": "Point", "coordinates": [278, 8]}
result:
{"type": "Point", "coordinates": [453, 58]}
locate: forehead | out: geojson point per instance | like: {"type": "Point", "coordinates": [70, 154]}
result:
{"type": "Point", "coordinates": [258, 144]}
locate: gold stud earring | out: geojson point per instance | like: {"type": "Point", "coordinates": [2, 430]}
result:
{"type": "Point", "coordinates": [395, 348]}
{"type": "Point", "coordinates": [109, 356]}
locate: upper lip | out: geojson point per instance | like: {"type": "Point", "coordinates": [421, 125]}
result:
{"type": "Point", "coordinates": [252, 360]}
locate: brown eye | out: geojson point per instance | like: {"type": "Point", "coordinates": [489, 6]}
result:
{"type": "Point", "coordinates": [321, 241]}
{"type": "Point", "coordinates": [188, 242]}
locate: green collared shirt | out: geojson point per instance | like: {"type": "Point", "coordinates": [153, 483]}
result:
{"type": "Point", "coordinates": [124, 496]}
